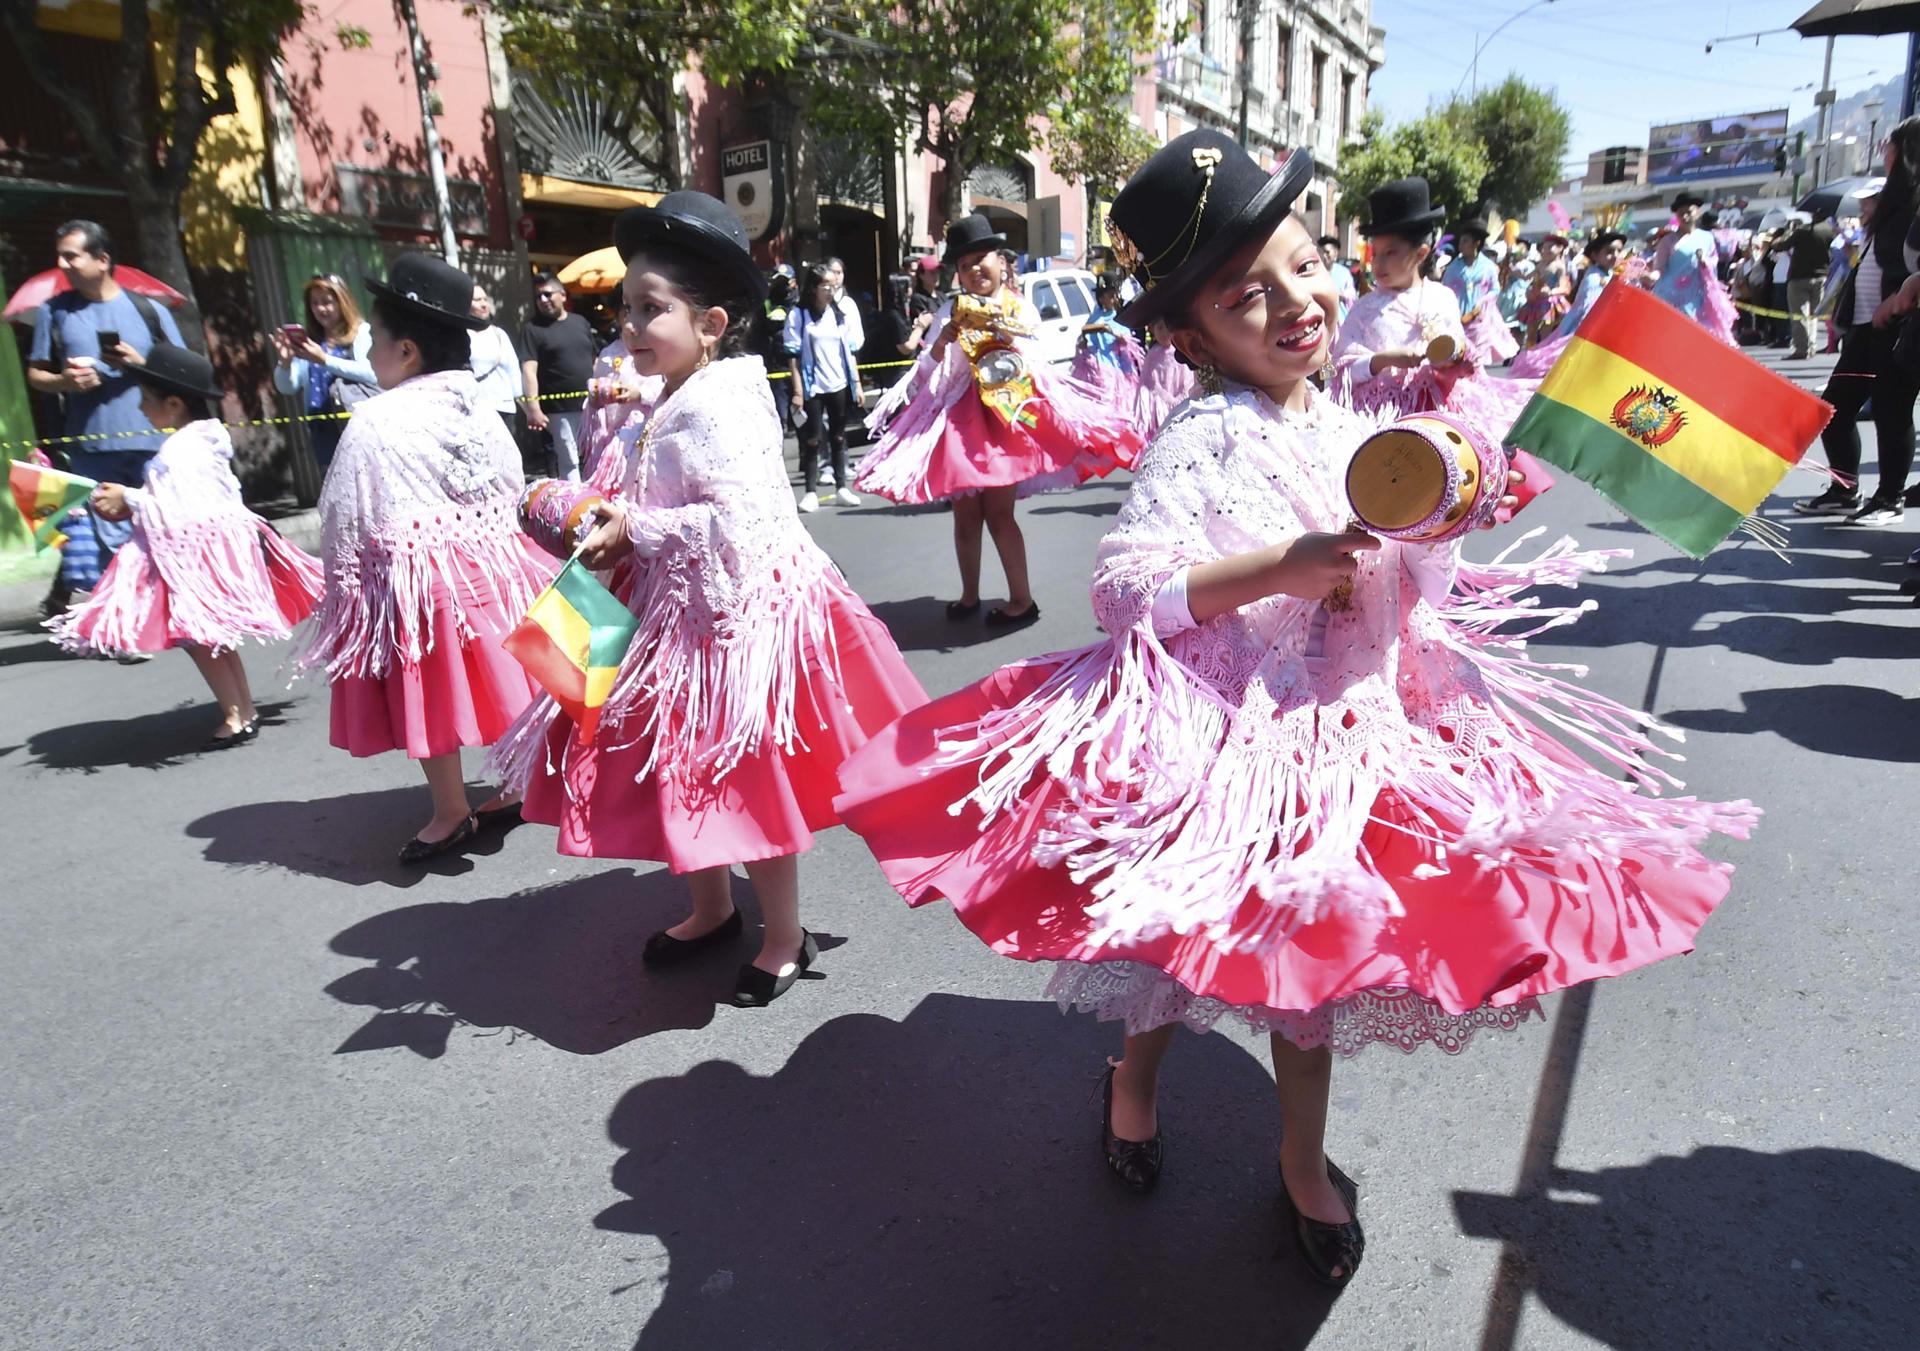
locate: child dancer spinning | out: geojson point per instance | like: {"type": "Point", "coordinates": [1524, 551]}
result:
{"type": "Point", "coordinates": [1107, 357]}
{"type": "Point", "coordinates": [427, 570]}
{"type": "Point", "coordinates": [755, 670]}
{"type": "Point", "coordinates": [982, 419]}
{"type": "Point", "coordinates": [201, 571]}
{"type": "Point", "coordinates": [1330, 822]}
{"type": "Point", "coordinates": [1603, 257]}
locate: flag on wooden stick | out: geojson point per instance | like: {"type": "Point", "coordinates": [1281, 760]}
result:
{"type": "Point", "coordinates": [1683, 433]}
{"type": "Point", "coordinates": [571, 642]}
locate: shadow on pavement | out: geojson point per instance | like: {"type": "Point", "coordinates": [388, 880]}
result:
{"type": "Point", "coordinates": [149, 741]}
{"type": "Point", "coordinates": [921, 625]}
{"type": "Point", "coordinates": [30, 650]}
{"type": "Point", "coordinates": [1725, 1247]}
{"type": "Point", "coordinates": [936, 1183]}
{"type": "Point", "coordinates": [1848, 720]}
{"type": "Point", "coordinates": [560, 963]}
{"type": "Point", "coordinates": [353, 839]}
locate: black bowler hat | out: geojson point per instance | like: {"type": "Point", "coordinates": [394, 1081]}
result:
{"type": "Point", "coordinates": [1193, 205]}
{"type": "Point", "coordinates": [972, 234]}
{"type": "Point", "coordinates": [1600, 240]}
{"type": "Point", "coordinates": [1403, 206]}
{"type": "Point", "coordinates": [430, 287]}
{"type": "Point", "coordinates": [178, 371]}
{"type": "Point", "coordinates": [1687, 199]}
{"type": "Point", "coordinates": [695, 223]}
{"type": "Point", "coordinates": [1473, 225]}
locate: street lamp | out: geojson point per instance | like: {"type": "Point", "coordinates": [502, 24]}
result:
{"type": "Point", "coordinates": [1481, 46]}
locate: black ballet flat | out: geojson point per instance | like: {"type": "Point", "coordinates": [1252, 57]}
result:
{"type": "Point", "coordinates": [418, 850]}
{"type": "Point", "coordinates": [248, 731]}
{"type": "Point", "coordinates": [998, 618]}
{"type": "Point", "coordinates": [960, 609]}
{"type": "Point", "coordinates": [663, 949]}
{"type": "Point", "coordinates": [1325, 1247]}
{"type": "Point", "coordinates": [1134, 1162]}
{"type": "Point", "coordinates": [758, 988]}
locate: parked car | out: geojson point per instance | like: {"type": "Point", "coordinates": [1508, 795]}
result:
{"type": "Point", "coordinates": [1064, 298]}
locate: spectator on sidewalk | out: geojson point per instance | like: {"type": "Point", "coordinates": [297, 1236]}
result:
{"type": "Point", "coordinates": [1807, 248]}
{"type": "Point", "coordinates": [558, 349]}
{"type": "Point", "coordinates": [325, 362]}
{"type": "Point", "coordinates": [88, 343]}
{"type": "Point", "coordinates": [926, 297]}
{"type": "Point", "coordinates": [1780, 263]}
{"type": "Point", "coordinates": [495, 364]}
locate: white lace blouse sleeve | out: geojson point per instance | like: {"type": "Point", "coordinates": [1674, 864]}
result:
{"type": "Point", "coordinates": [1171, 612]}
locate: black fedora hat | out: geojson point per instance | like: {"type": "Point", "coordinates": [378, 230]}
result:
{"type": "Point", "coordinates": [695, 223]}
{"type": "Point", "coordinates": [178, 371]}
{"type": "Point", "coordinates": [1189, 208]}
{"type": "Point", "coordinates": [971, 234]}
{"type": "Point", "coordinates": [1403, 206]}
{"type": "Point", "coordinates": [430, 287]}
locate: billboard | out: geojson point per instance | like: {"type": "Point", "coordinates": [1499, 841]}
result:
{"type": "Point", "coordinates": [1711, 147]}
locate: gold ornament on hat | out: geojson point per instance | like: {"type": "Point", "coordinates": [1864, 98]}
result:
{"type": "Point", "coordinates": [1127, 254]}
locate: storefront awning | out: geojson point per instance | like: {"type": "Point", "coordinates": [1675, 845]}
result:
{"type": "Point", "coordinates": [538, 188]}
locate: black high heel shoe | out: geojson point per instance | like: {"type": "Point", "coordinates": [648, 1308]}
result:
{"type": "Point", "coordinates": [1332, 1252]}
{"type": "Point", "coordinates": [663, 949]}
{"type": "Point", "coordinates": [1134, 1162]}
{"type": "Point", "coordinates": [758, 988]}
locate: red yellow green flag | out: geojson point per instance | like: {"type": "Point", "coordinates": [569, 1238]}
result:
{"type": "Point", "coordinates": [1683, 433]}
{"type": "Point", "coordinates": [45, 495]}
{"type": "Point", "coordinates": [571, 642]}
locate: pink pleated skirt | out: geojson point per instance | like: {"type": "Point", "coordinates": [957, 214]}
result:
{"type": "Point", "coordinates": [1474, 937]}
{"type": "Point", "coordinates": [462, 692]}
{"type": "Point", "coordinates": [768, 805]}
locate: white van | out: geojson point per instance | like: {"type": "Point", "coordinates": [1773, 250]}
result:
{"type": "Point", "coordinates": [1064, 298]}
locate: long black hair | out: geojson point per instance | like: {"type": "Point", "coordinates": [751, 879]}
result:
{"type": "Point", "coordinates": [443, 346]}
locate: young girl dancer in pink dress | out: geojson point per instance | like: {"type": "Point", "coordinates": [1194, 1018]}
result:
{"type": "Point", "coordinates": [427, 570]}
{"type": "Point", "coordinates": [1166, 381]}
{"type": "Point", "coordinates": [1336, 823]}
{"type": "Point", "coordinates": [1402, 348]}
{"type": "Point", "coordinates": [982, 420]}
{"type": "Point", "coordinates": [201, 571]}
{"type": "Point", "coordinates": [756, 670]}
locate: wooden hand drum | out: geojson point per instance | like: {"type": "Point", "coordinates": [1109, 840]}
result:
{"type": "Point", "coordinates": [558, 514]}
{"type": "Point", "coordinates": [1443, 350]}
{"type": "Point", "coordinates": [1425, 478]}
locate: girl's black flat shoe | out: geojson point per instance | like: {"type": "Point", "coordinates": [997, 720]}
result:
{"type": "Point", "coordinates": [998, 618]}
{"type": "Point", "coordinates": [663, 949]}
{"type": "Point", "coordinates": [248, 731]}
{"type": "Point", "coordinates": [418, 850]}
{"type": "Point", "coordinates": [1332, 1252]}
{"type": "Point", "coordinates": [1134, 1162]}
{"type": "Point", "coordinates": [758, 988]}
{"type": "Point", "coordinates": [960, 609]}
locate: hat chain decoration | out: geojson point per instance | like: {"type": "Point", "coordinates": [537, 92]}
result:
{"type": "Point", "coordinates": [1127, 253]}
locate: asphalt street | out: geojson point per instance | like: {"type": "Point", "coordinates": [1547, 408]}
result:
{"type": "Point", "coordinates": [264, 1088]}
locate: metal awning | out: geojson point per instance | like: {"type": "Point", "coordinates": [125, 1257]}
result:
{"type": "Point", "coordinates": [1859, 18]}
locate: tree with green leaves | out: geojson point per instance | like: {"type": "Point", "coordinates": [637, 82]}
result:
{"type": "Point", "coordinates": [1092, 138]}
{"type": "Point", "coordinates": [972, 81]}
{"type": "Point", "coordinates": [145, 136]}
{"type": "Point", "coordinates": [1526, 132]}
{"type": "Point", "coordinates": [1434, 147]}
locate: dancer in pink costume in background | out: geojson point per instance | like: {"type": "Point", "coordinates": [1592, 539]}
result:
{"type": "Point", "coordinates": [617, 397]}
{"type": "Point", "coordinates": [1108, 357]}
{"type": "Point", "coordinates": [1474, 279]}
{"type": "Point", "coordinates": [1384, 362]}
{"type": "Point", "coordinates": [756, 669]}
{"type": "Point", "coordinates": [1334, 823]}
{"type": "Point", "coordinates": [200, 572]}
{"type": "Point", "coordinates": [1684, 271]}
{"type": "Point", "coordinates": [427, 571]}
{"type": "Point", "coordinates": [1602, 253]}
{"type": "Point", "coordinates": [1166, 381]}
{"type": "Point", "coordinates": [982, 419]}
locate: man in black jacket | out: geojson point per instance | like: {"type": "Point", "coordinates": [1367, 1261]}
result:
{"type": "Point", "coordinates": [1808, 247]}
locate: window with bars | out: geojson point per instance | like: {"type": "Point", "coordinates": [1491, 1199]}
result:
{"type": "Point", "coordinates": [1319, 91]}
{"type": "Point", "coordinates": [1283, 62]}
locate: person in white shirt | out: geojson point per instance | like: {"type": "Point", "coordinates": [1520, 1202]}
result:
{"type": "Point", "coordinates": [822, 335]}
{"type": "Point", "coordinates": [496, 365]}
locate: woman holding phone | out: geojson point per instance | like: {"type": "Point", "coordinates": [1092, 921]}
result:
{"type": "Point", "coordinates": [324, 361]}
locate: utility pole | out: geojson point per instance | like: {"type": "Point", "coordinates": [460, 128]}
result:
{"type": "Point", "coordinates": [436, 161]}
{"type": "Point", "coordinates": [1824, 102]}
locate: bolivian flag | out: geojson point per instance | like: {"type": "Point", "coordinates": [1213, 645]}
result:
{"type": "Point", "coordinates": [571, 642]}
{"type": "Point", "coordinates": [1684, 434]}
{"type": "Point", "coordinates": [45, 495]}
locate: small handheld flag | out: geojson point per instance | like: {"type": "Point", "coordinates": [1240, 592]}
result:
{"type": "Point", "coordinates": [45, 495]}
{"type": "Point", "coordinates": [1683, 433]}
{"type": "Point", "coordinates": [571, 642]}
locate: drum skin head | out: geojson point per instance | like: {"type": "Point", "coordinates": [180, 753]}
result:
{"type": "Point", "coordinates": [1397, 480]}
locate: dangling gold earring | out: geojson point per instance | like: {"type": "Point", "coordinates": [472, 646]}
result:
{"type": "Point", "coordinates": [706, 359]}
